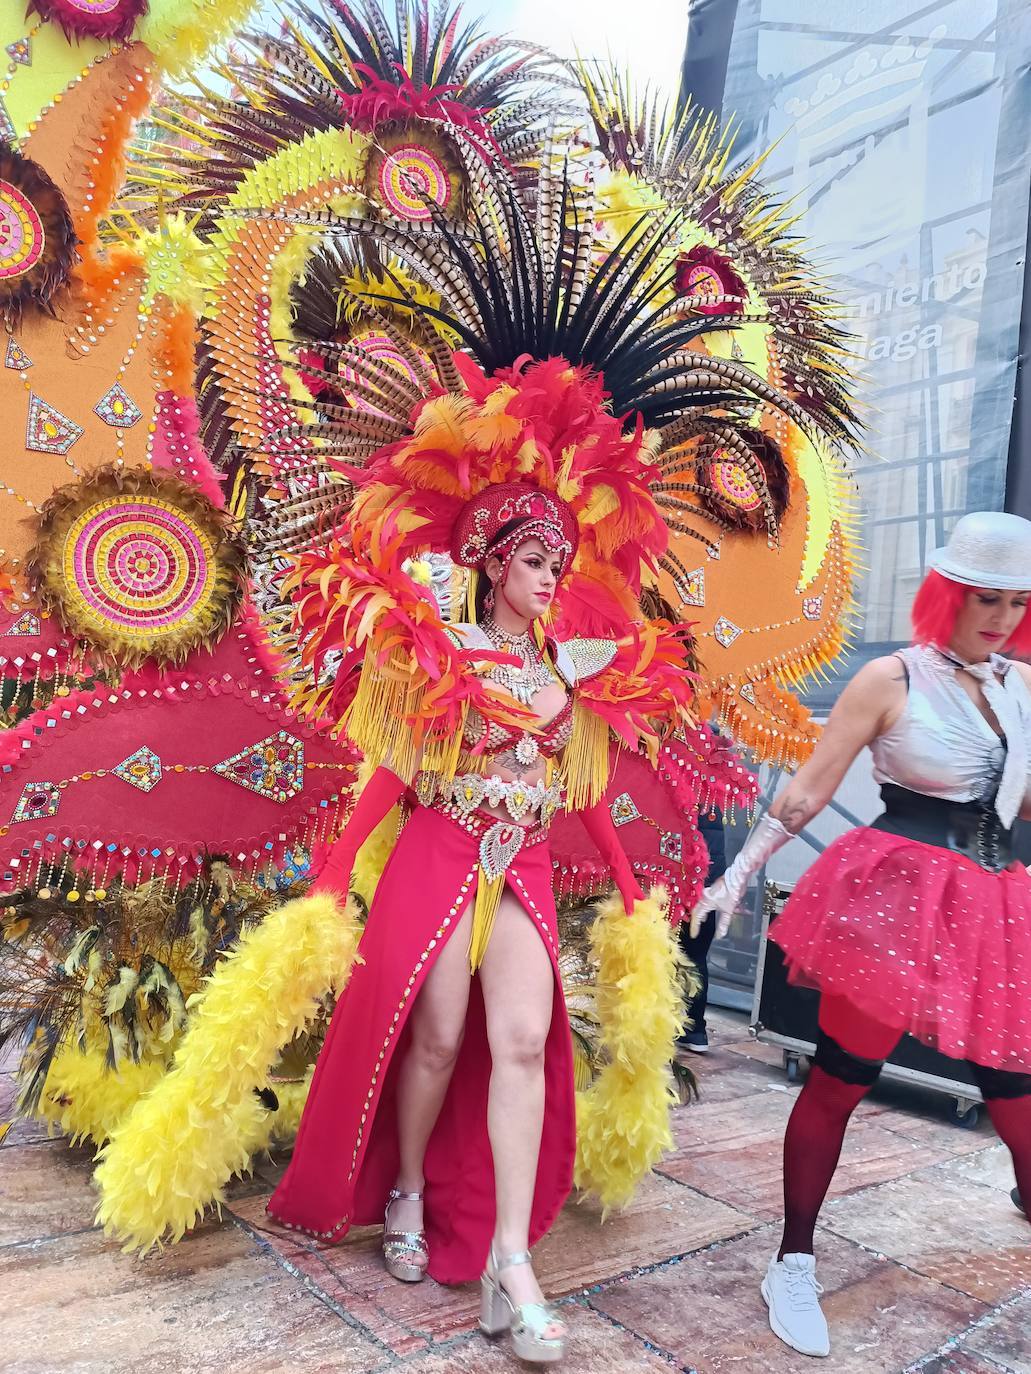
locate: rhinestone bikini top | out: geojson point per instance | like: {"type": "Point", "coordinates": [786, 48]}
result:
{"type": "Point", "coordinates": [575, 661]}
{"type": "Point", "coordinates": [491, 738]}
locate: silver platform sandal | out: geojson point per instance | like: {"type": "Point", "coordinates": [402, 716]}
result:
{"type": "Point", "coordinates": [398, 1244]}
{"type": "Point", "coordinates": [525, 1323]}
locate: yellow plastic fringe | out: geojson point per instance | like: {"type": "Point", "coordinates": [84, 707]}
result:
{"type": "Point", "coordinates": [86, 1099]}
{"type": "Point", "coordinates": [623, 1124]}
{"type": "Point", "coordinates": [181, 1144]}
{"type": "Point", "coordinates": [488, 899]}
{"type": "Point", "coordinates": [180, 32]}
{"type": "Point", "coordinates": [385, 693]}
{"type": "Point", "coordinates": [585, 763]}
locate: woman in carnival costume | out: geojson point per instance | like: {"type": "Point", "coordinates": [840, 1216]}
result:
{"type": "Point", "coordinates": [434, 1083]}
{"type": "Point", "coordinates": [921, 922]}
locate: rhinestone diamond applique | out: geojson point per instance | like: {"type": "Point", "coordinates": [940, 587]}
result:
{"type": "Point", "coordinates": [141, 769]}
{"type": "Point", "coordinates": [47, 430]}
{"type": "Point", "coordinates": [117, 408]}
{"type": "Point", "coordinates": [725, 631]}
{"type": "Point", "coordinates": [16, 358]}
{"type": "Point", "coordinates": [274, 767]}
{"type": "Point", "coordinates": [27, 626]}
{"type": "Point", "coordinates": [38, 800]}
{"type": "Point", "coordinates": [812, 607]}
{"type": "Point", "coordinates": [671, 845]}
{"type": "Point", "coordinates": [624, 810]}
{"type": "Point", "coordinates": [692, 591]}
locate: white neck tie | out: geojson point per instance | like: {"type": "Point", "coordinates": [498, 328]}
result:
{"type": "Point", "coordinates": [1007, 712]}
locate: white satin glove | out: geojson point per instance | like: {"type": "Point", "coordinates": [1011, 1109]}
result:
{"type": "Point", "coordinates": [727, 893]}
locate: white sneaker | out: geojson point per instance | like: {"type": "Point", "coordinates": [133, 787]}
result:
{"type": "Point", "coordinates": [793, 1297]}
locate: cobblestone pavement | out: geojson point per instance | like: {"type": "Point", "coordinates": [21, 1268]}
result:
{"type": "Point", "coordinates": [925, 1260]}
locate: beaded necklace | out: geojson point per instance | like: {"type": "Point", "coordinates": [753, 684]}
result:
{"type": "Point", "coordinates": [534, 673]}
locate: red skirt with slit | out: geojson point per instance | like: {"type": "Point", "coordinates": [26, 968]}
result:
{"type": "Point", "coordinates": [345, 1158]}
{"type": "Point", "coordinates": [918, 937]}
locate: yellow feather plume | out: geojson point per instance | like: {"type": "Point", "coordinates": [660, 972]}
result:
{"type": "Point", "coordinates": [201, 1124]}
{"type": "Point", "coordinates": [623, 1124]}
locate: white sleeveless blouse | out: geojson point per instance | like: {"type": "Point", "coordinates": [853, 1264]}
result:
{"type": "Point", "coordinates": [941, 744]}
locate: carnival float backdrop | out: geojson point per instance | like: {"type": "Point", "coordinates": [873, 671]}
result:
{"type": "Point", "coordinates": [223, 297]}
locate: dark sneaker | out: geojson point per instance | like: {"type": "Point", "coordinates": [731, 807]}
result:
{"type": "Point", "coordinates": [1018, 1201]}
{"type": "Point", "coordinates": [697, 1041]}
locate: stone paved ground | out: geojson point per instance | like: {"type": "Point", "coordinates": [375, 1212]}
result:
{"type": "Point", "coordinates": [926, 1263]}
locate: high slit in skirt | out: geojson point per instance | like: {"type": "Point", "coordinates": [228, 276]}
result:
{"type": "Point", "coordinates": [345, 1159]}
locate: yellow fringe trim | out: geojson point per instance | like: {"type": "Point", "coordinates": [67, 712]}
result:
{"type": "Point", "coordinates": [485, 912]}
{"type": "Point", "coordinates": [585, 762]}
{"type": "Point", "coordinates": [173, 1155]}
{"type": "Point", "coordinates": [386, 694]}
{"type": "Point", "coordinates": [623, 1124]}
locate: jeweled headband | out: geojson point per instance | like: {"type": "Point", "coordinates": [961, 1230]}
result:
{"type": "Point", "coordinates": [541, 515]}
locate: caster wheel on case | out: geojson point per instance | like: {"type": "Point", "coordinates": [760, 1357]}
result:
{"type": "Point", "coordinates": [791, 1066]}
{"type": "Point", "coordinates": [966, 1114]}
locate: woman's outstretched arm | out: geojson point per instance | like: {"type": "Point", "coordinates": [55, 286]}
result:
{"type": "Point", "coordinates": [868, 706]}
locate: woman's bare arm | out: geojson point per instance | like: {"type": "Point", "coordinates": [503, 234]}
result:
{"type": "Point", "coordinates": [868, 706]}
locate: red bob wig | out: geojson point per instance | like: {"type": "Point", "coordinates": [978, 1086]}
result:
{"type": "Point", "coordinates": [938, 603]}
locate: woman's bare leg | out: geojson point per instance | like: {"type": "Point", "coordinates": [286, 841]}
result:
{"type": "Point", "coordinates": [518, 994]}
{"type": "Point", "coordinates": [436, 1026]}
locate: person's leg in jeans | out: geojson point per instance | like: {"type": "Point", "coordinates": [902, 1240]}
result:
{"type": "Point", "coordinates": [697, 950]}
{"type": "Point", "coordinates": [695, 1036]}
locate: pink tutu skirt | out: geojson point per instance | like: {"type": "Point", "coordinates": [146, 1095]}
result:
{"type": "Point", "coordinates": [921, 938]}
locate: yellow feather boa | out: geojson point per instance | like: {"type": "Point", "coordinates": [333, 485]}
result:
{"type": "Point", "coordinates": [622, 1119]}
{"type": "Point", "coordinates": [86, 1099]}
{"type": "Point", "coordinates": [201, 1124]}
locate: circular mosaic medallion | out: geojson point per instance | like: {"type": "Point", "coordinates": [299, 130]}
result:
{"type": "Point", "coordinates": [381, 348]}
{"type": "Point", "coordinates": [701, 280]}
{"type": "Point", "coordinates": [140, 565]}
{"type": "Point", "coordinates": [710, 278]}
{"type": "Point", "coordinates": [22, 236]}
{"type": "Point", "coordinates": [37, 239]}
{"type": "Point", "coordinates": [730, 481]}
{"type": "Point", "coordinates": [91, 18]}
{"type": "Point", "coordinates": [150, 570]}
{"type": "Point", "coordinates": [740, 492]}
{"type": "Point", "coordinates": [411, 175]}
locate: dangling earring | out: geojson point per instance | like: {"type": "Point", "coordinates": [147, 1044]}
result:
{"type": "Point", "coordinates": [488, 601]}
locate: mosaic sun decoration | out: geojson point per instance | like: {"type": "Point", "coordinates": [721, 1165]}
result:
{"type": "Point", "coordinates": [103, 19]}
{"type": "Point", "coordinates": [139, 564]}
{"type": "Point", "coordinates": [37, 239]}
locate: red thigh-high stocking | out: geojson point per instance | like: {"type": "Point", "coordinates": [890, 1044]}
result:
{"type": "Point", "coordinates": [850, 1052]}
{"type": "Point", "coordinates": [1008, 1099]}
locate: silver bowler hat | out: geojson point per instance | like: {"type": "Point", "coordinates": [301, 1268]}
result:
{"type": "Point", "coordinates": [988, 548]}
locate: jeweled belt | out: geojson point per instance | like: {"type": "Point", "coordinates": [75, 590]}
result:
{"type": "Point", "coordinates": [469, 791]}
{"type": "Point", "coordinates": [969, 828]}
{"type": "Point", "coordinates": [499, 841]}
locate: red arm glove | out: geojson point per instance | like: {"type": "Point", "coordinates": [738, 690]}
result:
{"type": "Point", "coordinates": [597, 821]}
{"type": "Point", "coordinates": [379, 794]}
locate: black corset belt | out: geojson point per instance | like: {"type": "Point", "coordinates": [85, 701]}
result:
{"type": "Point", "coordinates": [968, 828]}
